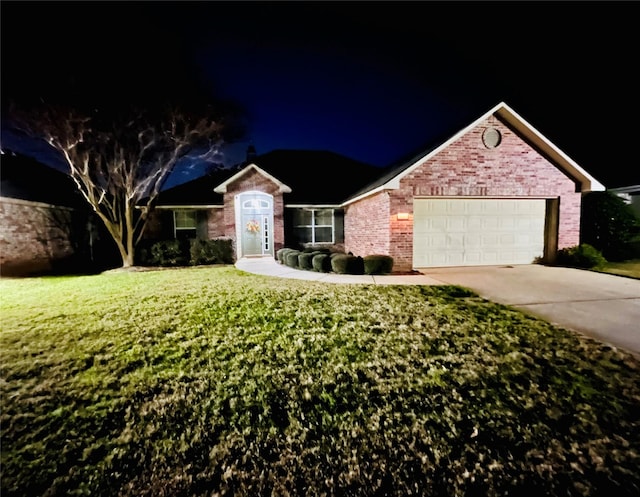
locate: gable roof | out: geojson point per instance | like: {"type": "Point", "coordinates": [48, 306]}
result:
{"type": "Point", "coordinates": [24, 178]}
{"type": "Point", "coordinates": [196, 192]}
{"type": "Point", "coordinates": [391, 180]}
{"type": "Point", "coordinates": [322, 178]}
{"type": "Point", "coordinates": [307, 177]}
{"type": "Point", "coordinates": [317, 177]}
{"type": "Point", "coordinates": [222, 187]}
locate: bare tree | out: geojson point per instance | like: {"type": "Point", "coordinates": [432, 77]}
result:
{"type": "Point", "coordinates": [120, 162]}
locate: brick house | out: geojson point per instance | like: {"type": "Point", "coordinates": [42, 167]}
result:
{"type": "Point", "coordinates": [497, 192]}
{"type": "Point", "coordinates": [46, 225]}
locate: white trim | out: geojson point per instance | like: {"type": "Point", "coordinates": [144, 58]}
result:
{"type": "Point", "coordinates": [222, 187]}
{"type": "Point", "coordinates": [313, 226]}
{"type": "Point", "coordinates": [626, 189]}
{"type": "Point", "coordinates": [378, 189]}
{"type": "Point", "coordinates": [588, 182]}
{"type": "Point", "coordinates": [488, 197]}
{"type": "Point", "coordinates": [237, 212]}
{"type": "Point", "coordinates": [196, 207]}
{"type": "Point", "coordinates": [189, 228]}
{"type": "Point", "coordinates": [312, 206]}
{"type": "Point", "coordinates": [34, 203]}
{"type": "Point", "coordinates": [569, 167]}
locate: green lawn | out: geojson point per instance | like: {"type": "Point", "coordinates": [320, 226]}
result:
{"type": "Point", "coordinates": [628, 268]}
{"type": "Point", "coordinates": [210, 381]}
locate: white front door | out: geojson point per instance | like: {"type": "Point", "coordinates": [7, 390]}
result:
{"type": "Point", "coordinates": [254, 221]}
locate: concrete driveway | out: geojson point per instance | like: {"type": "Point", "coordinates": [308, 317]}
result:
{"type": "Point", "coordinates": [601, 306]}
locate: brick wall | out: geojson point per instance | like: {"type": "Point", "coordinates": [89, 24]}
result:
{"type": "Point", "coordinates": [254, 181]}
{"type": "Point", "coordinates": [215, 223]}
{"type": "Point", "coordinates": [156, 224]}
{"type": "Point", "coordinates": [466, 168]}
{"type": "Point", "coordinates": [35, 237]}
{"type": "Point", "coordinates": [366, 226]}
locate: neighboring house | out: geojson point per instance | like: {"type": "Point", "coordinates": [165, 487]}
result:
{"type": "Point", "coordinates": [44, 222]}
{"type": "Point", "coordinates": [497, 192]}
{"type": "Point", "coordinates": [631, 195]}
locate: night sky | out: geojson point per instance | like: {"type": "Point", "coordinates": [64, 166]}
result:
{"type": "Point", "coordinates": [374, 81]}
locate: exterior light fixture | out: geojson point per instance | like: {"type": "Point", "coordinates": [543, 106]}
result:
{"type": "Point", "coordinates": [402, 216]}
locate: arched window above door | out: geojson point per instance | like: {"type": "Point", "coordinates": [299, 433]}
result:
{"type": "Point", "coordinates": [255, 203]}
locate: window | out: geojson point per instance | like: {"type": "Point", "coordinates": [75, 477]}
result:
{"type": "Point", "coordinates": [255, 203]}
{"type": "Point", "coordinates": [265, 233]}
{"type": "Point", "coordinates": [186, 224]}
{"type": "Point", "coordinates": [314, 225]}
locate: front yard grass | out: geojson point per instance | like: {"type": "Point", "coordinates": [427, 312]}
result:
{"type": "Point", "coordinates": [210, 381]}
{"type": "Point", "coordinates": [630, 268]}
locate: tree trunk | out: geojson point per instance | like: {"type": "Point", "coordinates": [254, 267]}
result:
{"type": "Point", "coordinates": [127, 259]}
{"type": "Point", "coordinates": [126, 256]}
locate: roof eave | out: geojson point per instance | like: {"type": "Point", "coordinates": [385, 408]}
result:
{"type": "Point", "coordinates": [392, 184]}
{"type": "Point", "coordinates": [222, 187]}
{"type": "Point", "coordinates": [586, 181]}
{"type": "Point", "coordinates": [189, 206]}
{"type": "Point", "coordinates": [312, 206]}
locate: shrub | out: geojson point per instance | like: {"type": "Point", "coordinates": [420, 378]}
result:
{"type": "Point", "coordinates": [347, 264]}
{"type": "Point", "coordinates": [143, 253]}
{"type": "Point", "coordinates": [582, 256]}
{"type": "Point", "coordinates": [211, 252]}
{"type": "Point", "coordinates": [282, 253]}
{"type": "Point", "coordinates": [321, 263]}
{"type": "Point", "coordinates": [322, 250]}
{"type": "Point", "coordinates": [291, 258]}
{"type": "Point", "coordinates": [170, 253]}
{"type": "Point", "coordinates": [609, 225]}
{"type": "Point", "coordinates": [184, 252]}
{"type": "Point", "coordinates": [378, 264]}
{"type": "Point", "coordinates": [305, 260]}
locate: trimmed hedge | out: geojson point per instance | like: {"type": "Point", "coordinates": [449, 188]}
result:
{"type": "Point", "coordinates": [378, 264]}
{"type": "Point", "coordinates": [291, 258]}
{"type": "Point", "coordinates": [305, 260]}
{"type": "Point", "coordinates": [281, 254]}
{"type": "Point", "coordinates": [321, 263]}
{"type": "Point", "coordinates": [175, 252]}
{"type": "Point", "coordinates": [324, 260]}
{"type": "Point", "coordinates": [347, 264]}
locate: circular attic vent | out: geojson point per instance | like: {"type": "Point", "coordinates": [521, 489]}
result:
{"type": "Point", "coordinates": [491, 137]}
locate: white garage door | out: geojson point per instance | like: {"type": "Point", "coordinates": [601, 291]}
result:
{"type": "Point", "coordinates": [476, 232]}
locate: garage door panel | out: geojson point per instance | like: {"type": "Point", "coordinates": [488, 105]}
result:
{"type": "Point", "coordinates": [455, 240]}
{"type": "Point", "coordinates": [473, 258]}
{"type": "Point", "coordinates": [504, 223]}
{"type": "Point", "coordinates": [456, 208]}
{"type": "Point", "coordinates": [437, 241]}
{"type": "Point", "coordinates": [475, 223]}
{"type": "Point", "coordinates": [452, 232]}
{"type": "Point", "coordinates": [456, 224]}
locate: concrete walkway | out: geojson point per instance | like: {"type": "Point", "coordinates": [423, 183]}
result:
{"type": "Point", "coordinates": [602, 306]}
{"type": "Point", "coordinates": [270, 267]}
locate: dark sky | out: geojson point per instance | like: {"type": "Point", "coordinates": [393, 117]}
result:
{"type": "Point", "coordinates": [374, 81]}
